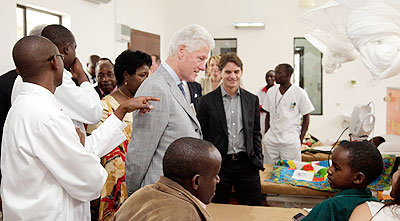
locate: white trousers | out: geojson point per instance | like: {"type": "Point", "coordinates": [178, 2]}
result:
{"type": "Point", "coordinates": [274, 152]}
{"type": "Point", "coordinates": [263, 115]}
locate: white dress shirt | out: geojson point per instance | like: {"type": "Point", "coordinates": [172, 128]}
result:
{"type": "Point", "coordinates": [80, 103]}
{"type": "Point", "coordinates": [47, 173]}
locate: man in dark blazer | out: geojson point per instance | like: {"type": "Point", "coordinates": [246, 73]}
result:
{"type": "Point", "coordinates": [195, 92]}
{"type": "Point", "coordinates": [6, 85]}
{"type": "Point", "coordinates": [230, 119]}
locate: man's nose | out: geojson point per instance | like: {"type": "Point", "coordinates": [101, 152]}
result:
{"type": "Point", "coordinates": [202, 66]}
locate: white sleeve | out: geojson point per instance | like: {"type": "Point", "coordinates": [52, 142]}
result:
{"type": "Point", "coordinates": [266, 103]}
{"type": "Point", "coordinates": [80, 103]}
{"type": "Point", "coordinates": [106, 137]}
{"type": "Point", "coordinates": [77, 171]}
{"type": "Point", "coordinates": [305, 105]}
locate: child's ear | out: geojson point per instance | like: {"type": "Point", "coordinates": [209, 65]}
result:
{"type": "Point", "coordinates": [359, 178]}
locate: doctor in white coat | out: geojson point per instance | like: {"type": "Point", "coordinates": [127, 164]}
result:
{"type": "Point", "coordinates": [288, 116]}
{"type": "Point", "coordinates": [47, 173]}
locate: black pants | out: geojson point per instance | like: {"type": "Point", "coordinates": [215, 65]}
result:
{"type": "Point", "coordinates": [243, 176]}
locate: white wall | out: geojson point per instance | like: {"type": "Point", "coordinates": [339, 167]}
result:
{"type": "Point", "coordinates": [92, 24]}
{"type": "Point", "coordinates": [8, 24]}
{"type": "Point", "coordinates": [260, 50]}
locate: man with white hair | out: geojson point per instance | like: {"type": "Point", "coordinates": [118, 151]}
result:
{"type": "Point", "coordinates": [172, 117]}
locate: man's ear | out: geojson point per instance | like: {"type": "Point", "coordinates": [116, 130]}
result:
{"type": "Point", "coordinates": [181, 51]}
{"type": "Point", "coordinates": [66, 48]}
{"type": "Point", "coordinates": [53, 63]}
{"type": "Point", "coordinates": [359, 178]}
{"type": "Point", "coordinates": [196, 182]}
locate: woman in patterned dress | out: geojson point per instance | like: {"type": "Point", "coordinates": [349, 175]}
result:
{"type": "Point", "coordinates": [131, 69]}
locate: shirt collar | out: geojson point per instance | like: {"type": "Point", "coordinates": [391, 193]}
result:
{"type": "Point", "coordinates": [225, 94]}
{"type": "Point", "coordinates": [172, 73]}
{"type": "Point", "coordinates": [265, 89]}
{"type": "Point", "coordinates": [364, 191]}
{"type": "Point", "coordinates": [44, 93]}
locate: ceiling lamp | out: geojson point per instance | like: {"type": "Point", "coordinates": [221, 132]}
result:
{"type": "Point", "coordinates": [306, 3]}
{"type": "Point", "coordinates": [249, 25]}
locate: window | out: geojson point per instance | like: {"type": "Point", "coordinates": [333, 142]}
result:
{"type": "Point", "coordinates": [308, 71]}
{"type": "Point", "coordinates": [224, 45]}
{"type": "Point", "coordinates": [28, 18]}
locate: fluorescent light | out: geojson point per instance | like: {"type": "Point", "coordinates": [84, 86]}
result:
{"type": "Point", "coordinates": [249, 25]}
{"type": "Point", "coordinates": [306, 3]}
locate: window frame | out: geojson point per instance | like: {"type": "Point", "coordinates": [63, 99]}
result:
{"type": "Point", "coordinates": [25, 8]}
{"type": "Point", "coordinates": [301, 74]}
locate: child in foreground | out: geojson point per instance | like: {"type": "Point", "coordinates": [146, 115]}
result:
{"type": "Point", "coordinates": [354, 166]}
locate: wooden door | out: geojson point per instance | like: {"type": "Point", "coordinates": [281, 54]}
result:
{"type": "Point", "coordinates": [144, 41]}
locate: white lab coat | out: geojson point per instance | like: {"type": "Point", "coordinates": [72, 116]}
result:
{"type": "Point", "coordinates": [81, 104]}
{"type": "Point", "coordinates": [47, 173]}
{"type": "Point", "coordinates": [282, 140]}
{"type": "Point", "coordinates": [261, 96]}
{"type": "Point", "coordinates": [285, 116]}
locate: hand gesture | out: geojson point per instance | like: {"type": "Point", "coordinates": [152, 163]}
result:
{"type": "Point", "coordinates": [77, 71]}
{"type": "Point", "coordinates": [142, 103]}
{"type": "Point", "coordinates": [81, 136]}
{"type": "Point", "coordinates": [137, 103]}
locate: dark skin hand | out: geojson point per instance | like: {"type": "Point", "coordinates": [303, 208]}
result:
{"type": "Point", "coordinates": [267, 122]}
{"type": "Point", "coordinates": [77, 72]}
{"type": "Point", "coordinates": [304, 126]}
{"type": "Point", "coordinates": [81, 136]}
{"type": "Point", "coordinates": [137, 103]}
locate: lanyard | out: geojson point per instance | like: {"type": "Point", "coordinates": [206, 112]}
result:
{"type": "Point", "coordinates": [276, 105]}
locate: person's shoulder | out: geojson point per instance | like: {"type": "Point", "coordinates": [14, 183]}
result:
{"type": "Point", "coordinates": [10, 75]}
{"type": "Point", "coordinates": [211, 95]}
{"type": "Point", "coordinates": [298, 89]}
{"type": "Point", "coordinates": [248, 93]}
{"type": "Point", "coordinates": [194, 83]}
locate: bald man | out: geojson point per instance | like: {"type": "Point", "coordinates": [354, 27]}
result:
{"type": "Point", "coordinates": [81, 103]}
{"type": "Point", "coordinates": [190, 168]}
{"type": "Point", "coordinates": [47, 173]}
{"type": "Point", "coordinates": [90, 68]}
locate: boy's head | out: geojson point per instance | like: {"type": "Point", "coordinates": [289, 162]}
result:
{"type": "Point", "coordinates": [354, 165]}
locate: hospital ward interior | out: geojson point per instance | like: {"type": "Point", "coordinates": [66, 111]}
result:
{"type": "Point", "coordinates": [200, 110]}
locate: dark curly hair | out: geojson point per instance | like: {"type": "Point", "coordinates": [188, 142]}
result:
{"type": "Point", "coordinates": [129, 61]}
{"type": "Point", "coordinates": [364, 157]}
{"type": "Point", "coordinates": [230, 57]}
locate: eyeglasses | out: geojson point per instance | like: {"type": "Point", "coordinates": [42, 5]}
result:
{"type": "Point", "coordinates": [61, 55]}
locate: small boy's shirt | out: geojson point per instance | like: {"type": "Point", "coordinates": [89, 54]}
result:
{"type": "Point", "coordinates": [341, 205]}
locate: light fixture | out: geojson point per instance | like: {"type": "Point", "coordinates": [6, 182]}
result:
{"type": "Point", "coordinates": [306, 3]}
{"type": "Point", "coordinates": [249, 25]}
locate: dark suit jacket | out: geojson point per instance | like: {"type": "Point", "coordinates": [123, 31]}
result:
{"type": "Point", "coordinates": [97, 89]}
{"type": "Point", "coordinates": [195, 92]}
{"type": "Point", "coordinates": [211, 115]}
{"type": "Point", "coordinates": [6, 86]}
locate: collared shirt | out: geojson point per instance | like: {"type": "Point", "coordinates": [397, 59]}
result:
{"type": "Point", "coordinates": [187, 91]}
{"type": "Point", "coordinates": [234, 121]}
{"type": "Point", "coordinates": [47, 173]}
{"type": "Point", "coordinates": [341, 205]}
{"type": "Point", "coordinates": [172, 73]}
